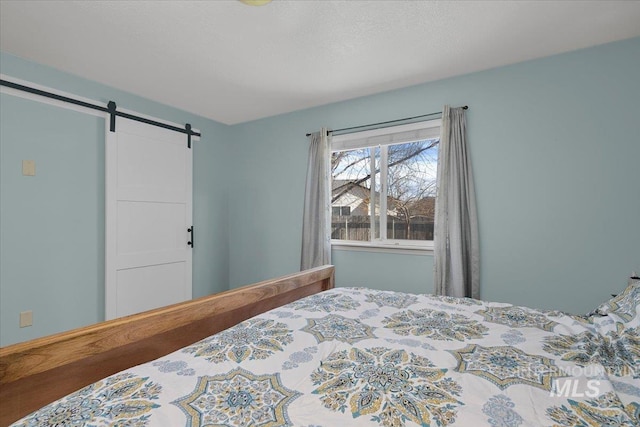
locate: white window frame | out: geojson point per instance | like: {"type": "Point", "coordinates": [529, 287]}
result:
{"type": "Point", "coordinates": [376, 138]}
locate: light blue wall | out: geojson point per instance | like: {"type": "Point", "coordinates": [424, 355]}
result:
{"type": "Point", "coordinates": [52, 241]}
{"type": "Point", "coordinates": [52, 225]}
{"type": "Point", "coordinates": [555, 145]}
{"type": "Point", "coordinates": [383, 271]}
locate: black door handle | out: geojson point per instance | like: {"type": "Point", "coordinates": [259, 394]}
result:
{"type": "Point", "coordinates": [190, 243]}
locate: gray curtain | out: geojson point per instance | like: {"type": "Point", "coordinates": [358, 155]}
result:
{"type": "Point", "coordinates": [316, 222]}
{"type": "Point", "coordinates": [456, 247]}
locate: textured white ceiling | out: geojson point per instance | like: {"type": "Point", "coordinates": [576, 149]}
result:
{"type": "Point", "coordinates": [234, 63]}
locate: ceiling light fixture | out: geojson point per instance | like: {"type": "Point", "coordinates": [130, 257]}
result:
{"type": "Point", "coordinates": [255, 2]}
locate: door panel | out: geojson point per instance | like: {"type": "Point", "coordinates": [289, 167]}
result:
{"type": "Point", "coordinates": [149, 287]}
{"type": "Point", "coordinates": [158, 165]}
{"type": "Point", "coordinates": [150, 227]}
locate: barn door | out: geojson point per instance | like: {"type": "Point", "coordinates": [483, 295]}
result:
{"type": "Point", "coordinates": [148, 215]}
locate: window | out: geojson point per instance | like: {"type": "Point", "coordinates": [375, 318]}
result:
{"type": "Point", "coordinates": [387, 180]}
{"type": "Point", "coordinates": [341, 210]}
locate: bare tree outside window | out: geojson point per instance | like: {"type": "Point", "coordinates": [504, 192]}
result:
{"type": "Point", "coordinates": [403, 205]}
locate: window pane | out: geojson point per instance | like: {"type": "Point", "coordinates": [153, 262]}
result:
{"type": "Point", "coordinates": [409, 172]}
{"type": "Point", "coordinates": [350, 196]}
{"type": "Point", "coordinates": [411, 190]}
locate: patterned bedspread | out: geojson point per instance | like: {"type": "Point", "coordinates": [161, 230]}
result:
{"type": "Point", "coordinates": [354, 356]}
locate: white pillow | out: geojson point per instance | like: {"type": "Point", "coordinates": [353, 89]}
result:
{"type": "Point", "coordinates": [623, 305]}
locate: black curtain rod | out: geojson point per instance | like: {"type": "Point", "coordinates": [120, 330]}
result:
{"type": "Point", "coordinates": [466, 107]}
{"type": "Point", "coordinates": [111, 109]}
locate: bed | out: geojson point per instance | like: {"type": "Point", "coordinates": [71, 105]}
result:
{"type": "Point", "coordinates": [357, 356]}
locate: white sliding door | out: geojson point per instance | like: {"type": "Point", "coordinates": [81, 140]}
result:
{"type": "Point", "coordinates": [148, 213]}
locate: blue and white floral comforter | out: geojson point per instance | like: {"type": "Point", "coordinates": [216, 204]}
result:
{"type": "Point", "coordinates": [353, 356]}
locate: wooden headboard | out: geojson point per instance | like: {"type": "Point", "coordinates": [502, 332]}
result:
{"type": "Point", "coordinates": [37, 372]}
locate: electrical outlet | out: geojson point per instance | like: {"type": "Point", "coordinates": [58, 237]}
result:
{"type": "Point", "coordinates": [26, 318]}
{"type": "Point", "coordinates": [29, 168]}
